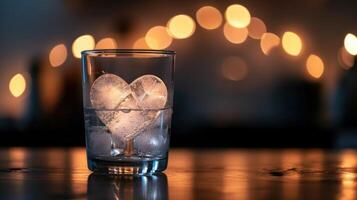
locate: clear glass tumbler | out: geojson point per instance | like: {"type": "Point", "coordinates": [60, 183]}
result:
{"type": "Point", "coordinates": [127, 99]}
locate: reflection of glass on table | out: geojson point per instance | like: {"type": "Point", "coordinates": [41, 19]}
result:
{"type": "Point", "coordinates": [127, 187]}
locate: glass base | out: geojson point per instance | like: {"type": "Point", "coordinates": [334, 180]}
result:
{"type": "Point", "coordinates": [127, 165]}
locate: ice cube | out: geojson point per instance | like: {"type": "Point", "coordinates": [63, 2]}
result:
{"type": "Point", "coordinates": [98, 141]}
{"type": "Point", "coordinates": [117, 145]}
{"type": "Point", "coordinates": [108, 91]}
{"type": "Point", "coordinates": [127, 123]}
{"type": "Point", "coordinates": [163, 118]}
{"type": "Point", "coordinates": [109, 94]}
{"type": "Point", "coordinates": [152, 142]}
{"type": "Point", "coordinates": [150, 91]}
{"type": "Point", "coordinates": [130, 119]}
{"type": "Point", "coordinates": [127, 109]}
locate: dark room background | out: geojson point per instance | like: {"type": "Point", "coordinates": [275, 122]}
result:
{"type": "Point", "coordinates": [287, 79]}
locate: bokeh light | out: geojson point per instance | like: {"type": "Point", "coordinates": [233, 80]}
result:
{"type": "Point", "coordinates": [58, 55]}
{"type": "Point", "coordinates": [140, 44]}
{"type": "Point", "coordinates": [84, 42]}
{"type": "Point", "coordinates": [235, 35]}
{"type": "Point", "coordinates": [292, 43]}
{"type": "Point", "coordinates": [268, 42]}
{"type": "Point", "coordinates": [348, 161]}
{"type": "Point", "coordinates": [350, 43]}
{"type": "Point", "coordinates": [315, 66]}
{"type": "Point", "coordinates": [256, 28]}
{"type": "Point", "coordinates": [234, 68]}
{"type": "Point", "coordinates": [237, 16]}
{"type": "Point", "coordinates": [106, 43]}
{"type": "Point", "coordinates": [158, 38]}
{"type": "Point", "coordinates": [345, 59]}
{"type": "Point", "coordinates": [209, 17]}
{"type": "Point", "coordinates": [17, 85]}
{"type": "Point", "coordinates": [181, 26]}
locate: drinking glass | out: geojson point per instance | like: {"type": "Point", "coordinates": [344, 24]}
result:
{"type": "Point", "coordinates": [127, 99]}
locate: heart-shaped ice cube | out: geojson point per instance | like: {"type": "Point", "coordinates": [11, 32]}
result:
{"type": "Point", "coordinates": [128, 109]}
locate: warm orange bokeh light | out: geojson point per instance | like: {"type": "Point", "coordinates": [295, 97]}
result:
{"type": "Point", "coordinates": [292, 43]}
{"type": "Point", "coordinates": [18, 156]}
{"type": "Point", "coordinates": [350, 43]}
{"type": "Point", "coordinates": [315, 66]}
{"type": "Point", "coordinates": [17, 85]}
{"type": "Point", "coordinates": [237, 16]}
{"type": "Point", "coordinates": [58, 55]}
{"type": "Point", "coordinates": [78, 162]}
{"type": "Point", "coordinates": [268, 42]}
{"type": "Point", "coordinates": [256, 28]}
{"type": "Point", "coordinates": [140, 44]}
{"type": "Point", "coordinates": [181, 26]}
{"type": "Point", "coordinates": [158, 38]}
{"type": "Point", "coordinates": [234, 68]}
{"type": "Point", "coordinates": [185, 159]}
{"type": "Point", "coordinates": [209, 17]}
{"type": "Point", "coordinates": [345, 59]}
{"type": "Point", "coordinates": [84, 42]}
{"type": "Point", "coordinates": [106, 43]}
{"type": "Point", "coordinates": [235, 35]}
{"type": "Point", "coordinates": [348, 177]}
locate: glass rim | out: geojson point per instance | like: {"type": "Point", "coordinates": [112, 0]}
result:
{"type": "Point", "coordinates": [97, 52]}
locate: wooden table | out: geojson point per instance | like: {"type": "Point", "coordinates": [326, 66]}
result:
{"type": "Point", "coordinates": [59, 173]}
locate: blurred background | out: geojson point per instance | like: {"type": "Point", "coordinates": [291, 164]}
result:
{"type": "Point", "coordinates": [248, 73]}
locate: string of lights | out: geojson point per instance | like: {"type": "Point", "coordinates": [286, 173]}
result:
{"type": "Point", "coordinates": [238, 27]}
